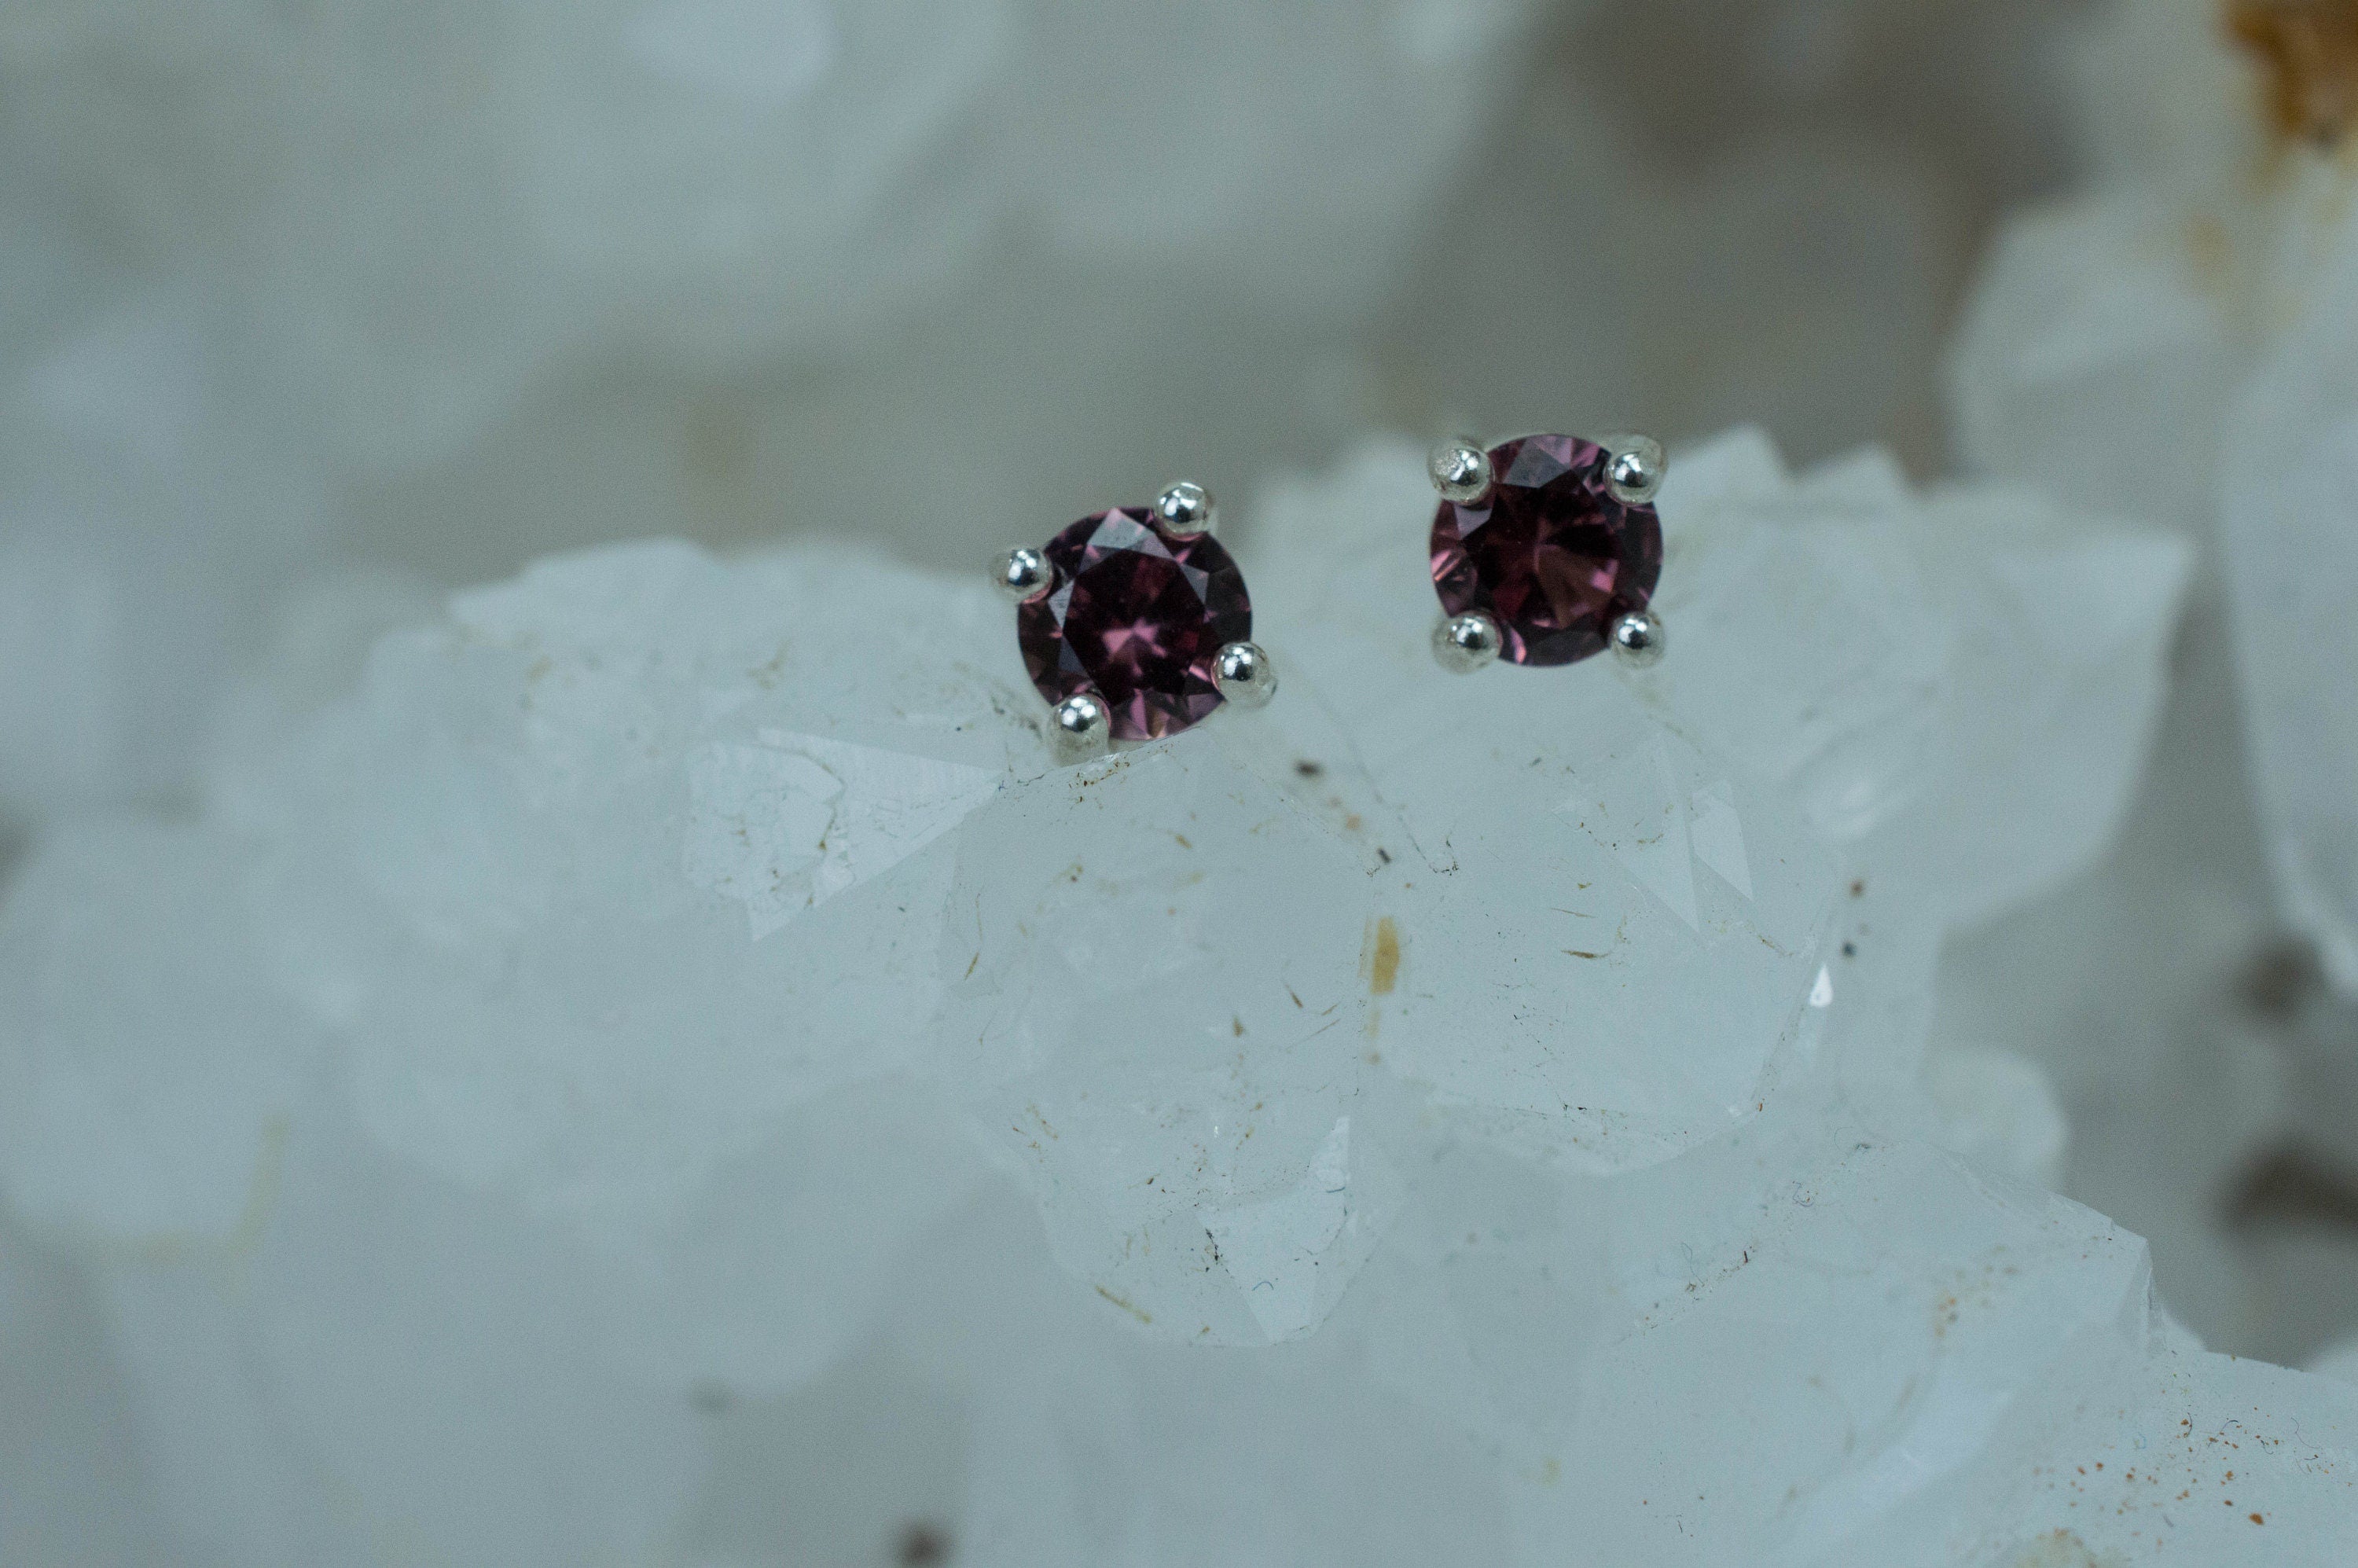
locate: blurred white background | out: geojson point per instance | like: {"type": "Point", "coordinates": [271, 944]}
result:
{"type": "Point", "coordinates": [294, 289]}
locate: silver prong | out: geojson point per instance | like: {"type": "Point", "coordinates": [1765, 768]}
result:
{"type": "Point", "coordinates": [1021, 573]}
{"type": "Point", "coordinates": [1244, 674]}
{"type": "Point", "coordinates": [1464, 644]}
{"type": "Point", "coordinates": [1080, 726]}
{"type": "Point", "coordinates": [1638, 638]}
{"type": "Point", "coordinates": [1460, 470]}
{"type": "Point", "coordinates": [1635, 469]}
{"type": "Point", "coordinates": [1188, 509]}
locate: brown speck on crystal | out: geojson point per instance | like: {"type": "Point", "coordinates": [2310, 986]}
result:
{"type": "Point", "coordinates": [1383, 956]}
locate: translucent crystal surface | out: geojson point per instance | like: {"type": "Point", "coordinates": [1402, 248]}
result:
{"type": "Point", "coordinates": [415, 214]}
{"type": "Point", "coordinates": [2166, 346]}
{"type": "Point", "coordinates": [663, 1070]}
{"type": "Point", "coordinates": [2290, 557]}
{"type": "Point", "coordinates": [2169, 346]}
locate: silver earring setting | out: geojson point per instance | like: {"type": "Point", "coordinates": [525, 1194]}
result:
{"type": "Point", "coordinates": [1135, 623]}
{"type": "Point", "coordinates": [1546, 550]}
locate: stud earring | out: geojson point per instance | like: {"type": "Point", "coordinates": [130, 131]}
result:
{"type": "Point", "coordinates": [1546, 550]}
{"type": "Point", "coordinates": [1135, 623]}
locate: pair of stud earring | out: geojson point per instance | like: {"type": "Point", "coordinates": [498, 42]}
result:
{"type": "Point", "coordinates": [1135, 624]}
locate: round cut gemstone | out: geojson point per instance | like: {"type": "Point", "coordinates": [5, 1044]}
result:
{"type": "Point", "coordinates": [1139, 615]}
{"type": "Point", "coordinates": [1547, 554]}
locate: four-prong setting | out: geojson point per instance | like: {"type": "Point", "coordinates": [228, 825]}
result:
{"type": "Point", "coordinates": [1558, 543]}
{"type": "Point", "coordinates": [1134, 623]}
{"type": "Point", "coordinates": [1244, 674]}
{"type": "Point", "coordinates": [1464, 644]}
{"type": "Point", "coordinates": [1637, 638]}
{"type": "Point", "coordinates": [1023, 573]}
{"type": "Point", "coordinates": [1188, 509]}
{"type": "Point", "coordinates": [1460, 470]}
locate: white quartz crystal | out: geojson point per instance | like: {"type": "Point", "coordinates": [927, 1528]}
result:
{"type": "Point", "coordinates": [415, 212]}
{"type": "Point", "coordinates": [666, 1069]}
{"type": "Point", "coordinates": [2167, 346]}
{"type": "Point", "coordinates": [2172, 346]}
{"type": "Point", "coordinates": [143, 531]}
{"type": "Point", "coordinates": [2288, 483]}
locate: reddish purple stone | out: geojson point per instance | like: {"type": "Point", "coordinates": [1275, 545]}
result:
{"type": "Point", "coordinates": [1139, 615]}
{"type": "Point", "coordinates": [1548, 553]}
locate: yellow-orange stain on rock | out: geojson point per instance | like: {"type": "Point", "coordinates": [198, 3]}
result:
{"type": "Point", "coordinates": [2308, 54]}
{"type": "Point", "coordinates": [1138, 1313]}
{"type": "Point", "coordinates": [1383, 956]}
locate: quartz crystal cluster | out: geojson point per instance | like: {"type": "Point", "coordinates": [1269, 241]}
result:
{"type": "Point", "coordinates": [660, 1071]}
{"type": "Point", "coordinates": [2177, 345]}
{"type": "Point", "coordinates": [414, 213]}
{"type": "Point", "coordinates": [653, 1061]}
{"type": "Point", "coordinates": [2172, 346]}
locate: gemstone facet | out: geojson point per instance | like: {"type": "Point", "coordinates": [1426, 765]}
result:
{"type": "Point", "coordinates": [1139, 615]}
{"type": "Point", "coordinates": [1547, 554]}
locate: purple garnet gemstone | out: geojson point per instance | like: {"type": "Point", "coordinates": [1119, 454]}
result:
{"type": "Point", "coordinates": [1547, 554]}
{"type": "Point", "coordinates": [1139, 615]}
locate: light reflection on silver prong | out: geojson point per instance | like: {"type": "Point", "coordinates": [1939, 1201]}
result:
{"type": "Point", "coordinates": [1638, 638]}
{"type": "Point", "coordinates": [1635, 470]}
{"type": "Point", "coordinates": [1464, 644]}
{"type": "Point", "coordinates": [1244, 674]}
{"type": "Point", "coordinates": [1021, 573]}
{"type": "Point", "coordinates": [1188, 509]}
{"type": "Point", "coordinates": [1460, 470]}
{"type": "Point", "coordinates": [1081, 726]}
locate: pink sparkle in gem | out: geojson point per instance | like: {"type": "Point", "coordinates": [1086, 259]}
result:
{"type": "Point", "coordinates": [1138, 615]}
{"type": "Point", "coordinates": [1548, 553]}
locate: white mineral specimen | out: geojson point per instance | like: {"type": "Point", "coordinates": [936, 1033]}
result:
{"type": "Point", "coordinates": [2289, 486]}
{"type": "Point", "coordinates": [449, 287]}
{"type": "Point", "coordinates": [2174, 347]}
{"type": "Point", "coordinates": [414, 212]}
{"type": "Point", "coordinates": [142, 530]}
{"type": "Point", "coordinates": [666, 1070]}
{"type": "Point", "coordinates": [2168, 347]}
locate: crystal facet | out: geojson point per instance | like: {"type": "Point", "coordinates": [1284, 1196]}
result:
{"type": "Point", "coordinates": [1139, 615]}
{"type": "Point", "coordinates": [1549, 552]}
